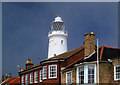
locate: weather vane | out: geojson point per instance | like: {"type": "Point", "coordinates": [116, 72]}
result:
{"type": "Point", "coordinates": [56, 14]}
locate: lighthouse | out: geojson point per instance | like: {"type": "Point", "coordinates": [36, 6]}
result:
{"type": "Point", "coordinates": [57, 38]}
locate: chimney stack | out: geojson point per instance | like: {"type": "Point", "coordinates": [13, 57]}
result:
{"type": "Point", "coordinates": [29, 64]}
{"type": "Point", "coordinates": [89, 43]}
{"type": "Point", "coordinates": [9, 76]}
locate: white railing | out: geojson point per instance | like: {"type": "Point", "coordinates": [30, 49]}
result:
{"type": "Point", "coordinates": [62, 32]}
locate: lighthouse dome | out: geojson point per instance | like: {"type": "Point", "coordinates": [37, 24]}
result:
{"type": "Point", "coordinates": [58, 19]}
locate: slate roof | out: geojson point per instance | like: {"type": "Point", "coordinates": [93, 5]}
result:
{"type": "Point", "coordinates": [109, 53]}
{"type": "Point", "coordinates": [105, 53]}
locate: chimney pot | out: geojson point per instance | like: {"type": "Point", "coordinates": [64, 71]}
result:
{"type": "Point", "coordinates": [92, 33]}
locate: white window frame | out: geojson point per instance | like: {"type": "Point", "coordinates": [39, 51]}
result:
{"type": "Point", "coordinates": [26, 79]}
{"type": "Point", "coordinates": [85, 73]}
{"type": "Point", "coordinates": [67, 77]}
{"type": "Point", "coordinates": [115, 72]}
{"type": "Point", "coordinates": [44, 77]}
{"type": "Point", "coordinates": [41, 75]}
{"type": "Point", "coordinates": [80, 74]}
{"type": "Point", "coordinates": [50, 72]}
{"type": "Point", "coordinates": [35, 81]}
{"type": "Point", "coordinates": [91, 74]}
{"type": "Point", "coordinates": [23, 79]}
{"type": "Point", "coordinates": [31, 78]}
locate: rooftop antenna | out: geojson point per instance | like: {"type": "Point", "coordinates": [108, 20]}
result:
{"type": "Point", "coordinates": [97, 62]}
{"type": "Point", "coordinates": [18, 67]}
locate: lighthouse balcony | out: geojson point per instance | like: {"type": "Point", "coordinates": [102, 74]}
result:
{"type": "Point", "coordinates": [51, 33]}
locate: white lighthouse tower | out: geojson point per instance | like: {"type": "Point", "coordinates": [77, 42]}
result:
{"type": "Point", "coordinates": [57, 38]}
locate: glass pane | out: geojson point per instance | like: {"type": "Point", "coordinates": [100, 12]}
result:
{"type": "Point", "coordinates": [91, 74]}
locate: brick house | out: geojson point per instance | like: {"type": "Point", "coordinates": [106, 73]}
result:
{"type": "Point", "coordinates": [42, 72]}
{"type": "Point", "coordinates": [66, 67]}
{"type": "Point", "coordinates": [85, 70]}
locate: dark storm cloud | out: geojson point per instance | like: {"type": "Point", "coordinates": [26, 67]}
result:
{"type": "Point", "coordinates": [26, 27]}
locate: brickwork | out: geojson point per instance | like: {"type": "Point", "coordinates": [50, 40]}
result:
{"type": "Point", "coordinates": [54, 80]}
{"type": "Point", "coordinates": [116, 62]}
{"type": "Point", "coordinates": [106, 72]}
{"type": "Point", "coordinates": [89, 44]}
{"type": "Point", "coordinates": [73, 76]}
{"type": "Point", "coordinates": [28, 66]}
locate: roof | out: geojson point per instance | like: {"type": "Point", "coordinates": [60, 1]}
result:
{"type": "Point", "coordinates": [67, 54]}
{"type": "Point", "coordinates": [15, 80]}
{"type": "Point", "coordinates": [105, 53]}
{"type": "Point", "coordinates": [109, 53]}
{"type": "Point", "coordinates": [64, 55]}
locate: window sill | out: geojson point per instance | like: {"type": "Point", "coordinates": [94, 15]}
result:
{"type": "Point", "coordinates": [52, 77]}
{"type": "Point", "coordinates": [44, 78]}
{"type": "Point", "coordinates": [116, 79]}
{"type": "Point", "coordinates": [40, 81]}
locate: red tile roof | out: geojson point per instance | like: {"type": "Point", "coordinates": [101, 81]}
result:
{"type": "Point", "coordinates": [13, 81]}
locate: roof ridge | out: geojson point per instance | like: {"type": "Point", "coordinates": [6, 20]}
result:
{"type": "Point", "coordinates": [110, 47]}
{"type": "Point", "coordinates": [64, 53]}
{"type": "Point", "coordinates": [102, 48]}
{"type": "Point", "coordinates": [61, 55]}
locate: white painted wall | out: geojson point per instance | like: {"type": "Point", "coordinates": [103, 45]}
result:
{"type": "Point", "coordinates": [55, 45]}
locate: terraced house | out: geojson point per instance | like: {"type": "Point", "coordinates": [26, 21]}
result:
{"type": "Point", "coordinates": [75, 66]}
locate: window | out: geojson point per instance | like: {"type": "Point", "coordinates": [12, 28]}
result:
{"type": "Point", "coordinates": [81, 75]}
{"type": "Point", "coordinates": [36, 77]}
{"type": "Point", "coordinates": [117, 72]}
{"type": "Point", "coordinates": [40, 75]}
{"type": "Point", "coordinates": [45, 72]}
{"type": "Point", "coordinates": [61, 41]}
{"type": "Point", "coordinates": [22, 79]}
{"type": "Point", "coordinates": [91, 74]}
{"type": "Point", "coordinates": [69, 77]}
{"type": "Point", "coordinates": [31, 78]}
{"type": "Point", "coordinates": [26, 79]}
{"type": "Point", "coordinates": [52, 71]}
{"type": "Point", "coordinates": [86, 74]}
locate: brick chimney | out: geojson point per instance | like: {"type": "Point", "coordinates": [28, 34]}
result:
{"type": "Point", "coordinates": [89, 43]}
{"type": "Point", "coordinates": [29, 64]}
{"type": "Point", "coordinates": [9, 76]}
